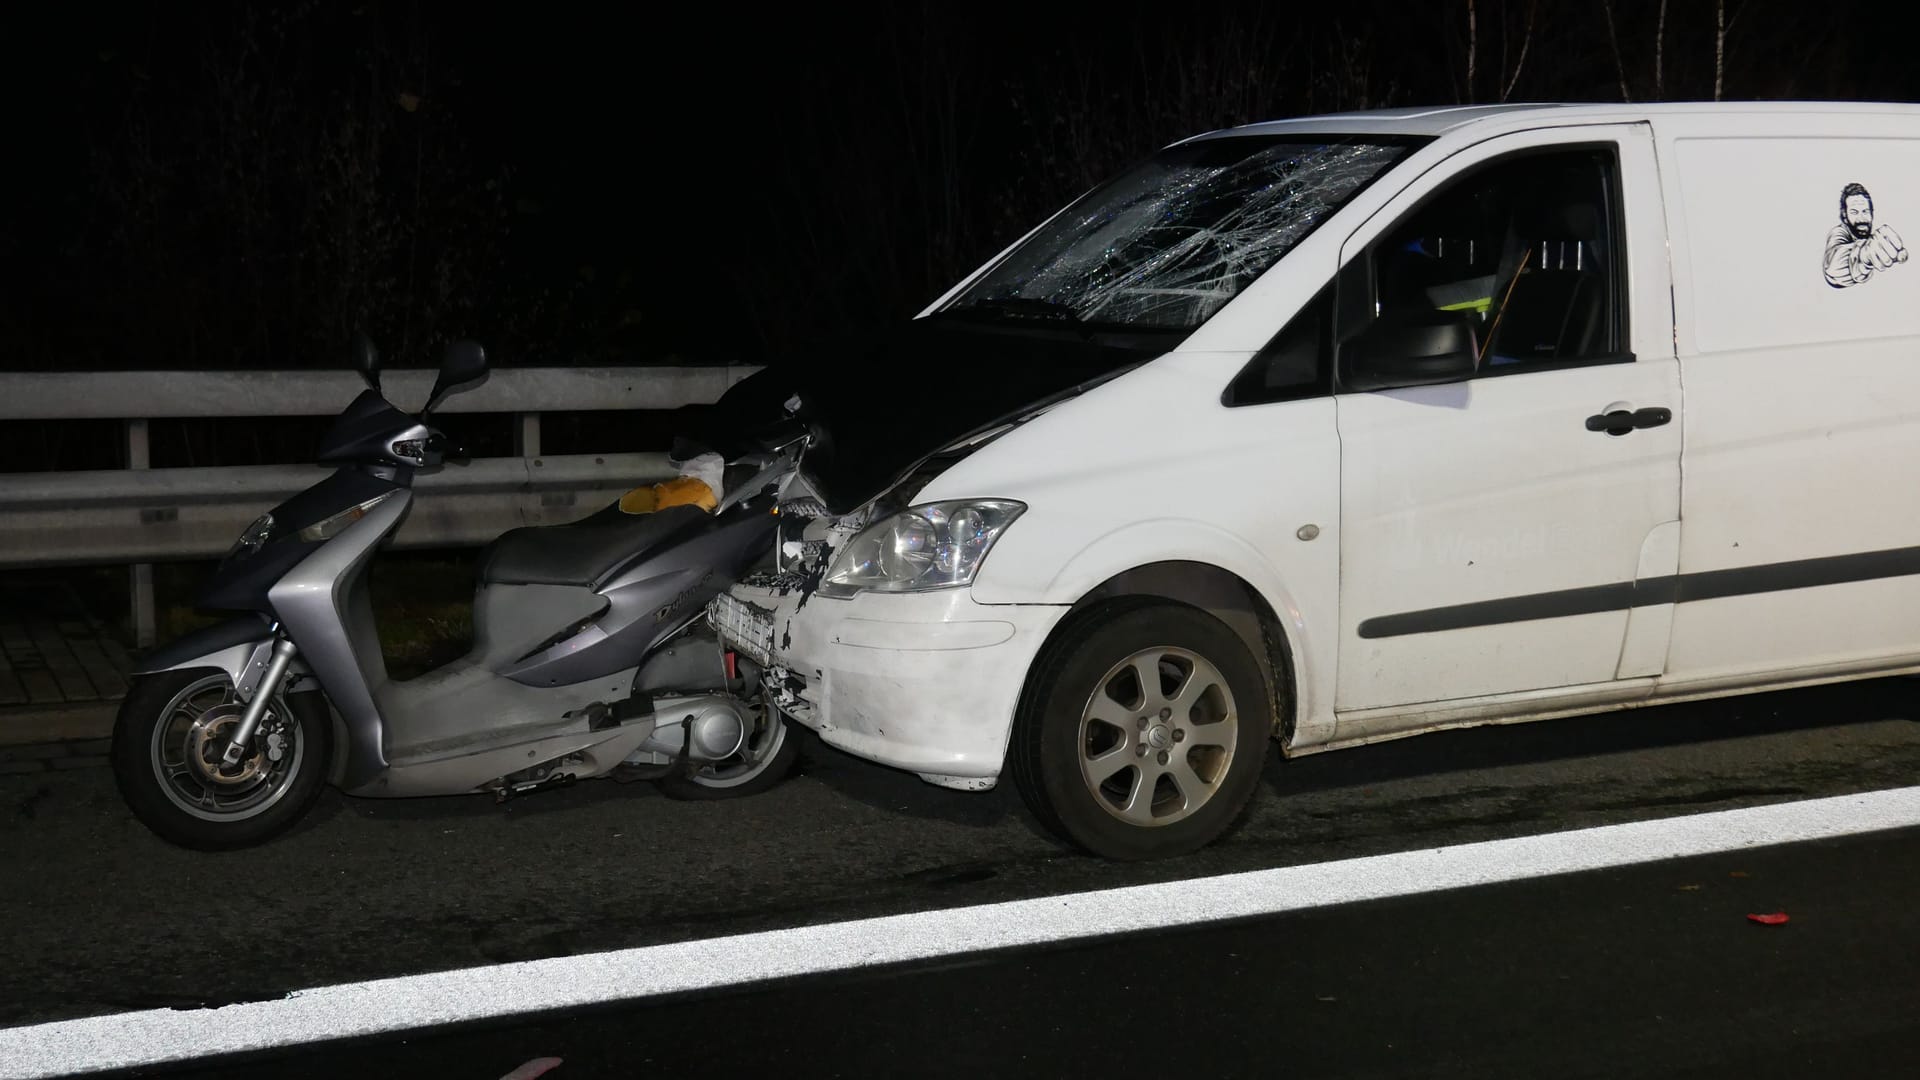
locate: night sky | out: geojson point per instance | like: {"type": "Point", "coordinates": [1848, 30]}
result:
{"type": "Point", "coordinates": [230, 184]}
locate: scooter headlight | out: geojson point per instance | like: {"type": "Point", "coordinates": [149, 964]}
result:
{"type": "Point", "coordinates": [935, 546]}
{"type": "Point", "coordinates": [329, 527]}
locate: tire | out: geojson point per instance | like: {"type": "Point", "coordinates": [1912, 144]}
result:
{"type": "Point", "coordinates": [246, 805]}
{"type": "Point", "coordinates": [759, 769]}
{"type": "Point", "coordinates": [1076, 752]}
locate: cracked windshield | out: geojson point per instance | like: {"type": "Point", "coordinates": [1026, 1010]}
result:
{"type": "Point", "coordinates": [1167, 244]}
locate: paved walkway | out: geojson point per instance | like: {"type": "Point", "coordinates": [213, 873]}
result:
{"type": "Point", "coordinates": [61, 671]}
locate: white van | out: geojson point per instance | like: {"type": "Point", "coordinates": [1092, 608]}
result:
{"type": "Point", "coordinates": [1346, 428]}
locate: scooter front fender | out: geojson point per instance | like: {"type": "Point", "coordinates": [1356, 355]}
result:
{"type": "Point", "coordinates": [240, 646]}
{"type": "Point", "coordinates": [228, 645]}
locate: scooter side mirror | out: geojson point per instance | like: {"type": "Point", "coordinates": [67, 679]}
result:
{"type": "Point", "coordinates": [366, 360]}
{"type": "Point", "coordinates": [464, 364]}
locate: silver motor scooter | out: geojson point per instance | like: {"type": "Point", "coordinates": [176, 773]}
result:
{"type": "Point", "coordinates": [589, 657]}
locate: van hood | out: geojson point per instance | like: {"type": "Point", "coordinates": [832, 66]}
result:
{"type": "Point", "coordinates": [880, 404]}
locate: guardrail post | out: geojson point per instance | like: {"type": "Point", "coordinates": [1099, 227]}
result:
{"type": "Point", "coordinates": [140, 575]}
{"type": "Point", "coordinates": [526, 434]}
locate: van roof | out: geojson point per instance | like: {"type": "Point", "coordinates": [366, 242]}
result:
{"type": "Point", "coordinates": [1441, 120]}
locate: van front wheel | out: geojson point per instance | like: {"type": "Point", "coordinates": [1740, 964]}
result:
{"type": "Point", "coordinates": [1144, 733]}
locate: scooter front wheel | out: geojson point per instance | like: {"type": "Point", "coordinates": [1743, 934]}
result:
{"type": "Point", "coordinates": [764, 759]}
{"type": "Point", "coordinates": [167, 746]}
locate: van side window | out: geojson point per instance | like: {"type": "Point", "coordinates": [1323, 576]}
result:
{"type": "Point", "coordinates": [1295, 364]}
{"type": "Point", "coordinates": [1524, 249]}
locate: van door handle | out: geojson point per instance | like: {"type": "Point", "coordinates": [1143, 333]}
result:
{"type": "Point", "coordinates": [1620, 421]}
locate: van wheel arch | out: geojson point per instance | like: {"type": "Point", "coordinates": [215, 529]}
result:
{"type": "Point", "coordinates": [1220, 593]}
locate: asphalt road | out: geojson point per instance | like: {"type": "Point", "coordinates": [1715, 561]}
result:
{"type": "Point", "coordinates": [98, 916]}
{"type": "Point", "coordinates": [1648, 971]}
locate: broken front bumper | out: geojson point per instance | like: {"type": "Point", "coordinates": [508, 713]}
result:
{"type": "Point", "coordinates": [925, 682]}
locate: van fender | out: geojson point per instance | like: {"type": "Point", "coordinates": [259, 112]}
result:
{"type": "Point", "coordinates": [1184, 539]}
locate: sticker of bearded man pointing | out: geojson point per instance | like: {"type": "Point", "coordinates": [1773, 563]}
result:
{"type": "Point", "coordinates": [1857, 247]}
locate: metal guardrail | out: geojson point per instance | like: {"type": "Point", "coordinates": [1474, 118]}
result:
{"type": "Point", "coordinates": [158, 515]}
{"type": "Point", "coordinates": [139, 515]}
{"type": "Point", "coordinates": [125, 395]}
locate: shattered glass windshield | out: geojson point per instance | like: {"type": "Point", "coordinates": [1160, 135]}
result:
{"type": "Point", "coordinates": [1169, 242]}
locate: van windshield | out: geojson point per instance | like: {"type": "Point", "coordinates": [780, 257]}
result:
{"type": "Point", "coordinates": [1166, 244]}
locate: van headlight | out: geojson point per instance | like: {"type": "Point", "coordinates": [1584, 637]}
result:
{"type": "Point", "coordinates": [935, 546]}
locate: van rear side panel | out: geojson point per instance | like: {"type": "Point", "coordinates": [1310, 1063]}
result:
{"type": "Point", "coordinates": [1798, 330]}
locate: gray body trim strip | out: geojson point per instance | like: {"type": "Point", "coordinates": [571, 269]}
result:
{"type": "Point", "coordinates": [1670, 589]}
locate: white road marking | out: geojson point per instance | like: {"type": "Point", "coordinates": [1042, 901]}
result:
{"type": "Point", "coordinates": [158, 1036]}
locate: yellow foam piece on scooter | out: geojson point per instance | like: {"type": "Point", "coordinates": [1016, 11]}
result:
{"type": "Point", "coordinates": [684, 491]}
{"type": "Point", "coordinates": [680, 491]}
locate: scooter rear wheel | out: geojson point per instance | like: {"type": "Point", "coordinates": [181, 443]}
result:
{"type": "Point", "coordinates": [166, 750]}
{"type": "Point", "coordinates": [762, 763]}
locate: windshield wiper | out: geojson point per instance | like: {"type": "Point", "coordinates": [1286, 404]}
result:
{"type": "Point", "coordinates": [1023, 307]}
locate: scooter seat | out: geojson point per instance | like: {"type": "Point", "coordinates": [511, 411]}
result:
{"type": "Point", "coordinates": [585, 552]}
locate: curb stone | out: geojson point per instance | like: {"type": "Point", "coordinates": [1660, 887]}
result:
{"type": "Point", "coordinates": [40, 757]}
{"type": "Point", "coordinates": [21, 728]}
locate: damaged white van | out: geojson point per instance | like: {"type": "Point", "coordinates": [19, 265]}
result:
{"type": "Point", "coordinates": [1340, 429]}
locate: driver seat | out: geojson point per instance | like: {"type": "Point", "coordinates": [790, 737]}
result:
{"type": "Point", "coordinates": [1556, 308]}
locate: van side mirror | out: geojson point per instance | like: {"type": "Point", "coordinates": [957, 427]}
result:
{"type": "Point", "coordinates": [465, 362]}
{"type": "Point", "coordinates": [1415, 349]}
{"type": "Point", "coordinates": [366, 360]}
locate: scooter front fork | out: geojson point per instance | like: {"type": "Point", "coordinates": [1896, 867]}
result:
{"type": "Point", "coordinates": [283, 651]}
